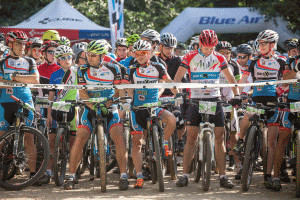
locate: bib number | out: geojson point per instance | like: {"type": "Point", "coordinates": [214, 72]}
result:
{"type": "Point", "coordinates": [207, 107]}
{"type": "Point", "coordinates": [253, 110]}
{"type": "Point", "coordinates": [295, 106]}
{"type": "Point", "coordinates": [62, 106]}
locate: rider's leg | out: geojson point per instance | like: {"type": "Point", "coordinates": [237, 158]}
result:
{"type": "Point", "coordinates": [244, 125]}
{"type": "Point", "coordinates": [169, 119]}
{"type": "Point", "coordinates": [52, 145]}
{"type": "Point", "coordinates": [137, 151]}
{"type": "Point", "coordinates": [220, 150]}
{"type": "Point", "coordinates": [188, 153]}
{"type": "Point", "coordinates": [272, 137]}
{"type": "Point", "coordinates": [30, 151]}
{"type": "Point", "coordinates": [232, 142]}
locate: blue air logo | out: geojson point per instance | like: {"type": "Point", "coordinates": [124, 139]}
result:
{"type": "Point", "coordinates": [214, 20]}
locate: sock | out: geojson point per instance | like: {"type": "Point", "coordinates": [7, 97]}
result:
{"type": "Point", "coordinates": [166, 142]}
{"type": "Point", "coordinates": [186, 175]}
{"type": "Point", "coordinates": [267, 176]}
{"type": "Point", "coordinates": [124, 175]}
{"type": "Point", "coordinates": [221, 176]}
{"type": "Point", "coordinates": [72, 175]}
{"type": "Point", "coordinates": [140, 175]}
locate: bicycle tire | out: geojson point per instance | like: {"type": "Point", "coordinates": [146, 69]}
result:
{"type": "Point", "coordinates": [41, 128]}
{"type": "Point", "coordinates": [158, 159]}
{"type": "Point", "coordinates": [248, 163]}
{"type": "Point", "coordinates": [298, 164]}
{"type": "Point", "coordinates": [27, 182]}
{"type": "Point", "coordinates": [172, 161]}
{"type": "Point", "coordinates": [197, 163]}
{"type": "Point", "coordinates": [60, 157]}
{"type": "Point", "coordinates": [206, 163]}
{"type": "Point", "coordinates": [9, 169]}
{"type": "Point", "coordinates": [264, 149]}
{"type": "Point", "coordinates": [102, 154]}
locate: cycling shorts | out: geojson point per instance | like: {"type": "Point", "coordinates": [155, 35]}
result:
{"type": "Point", "coordinates": [138, 120]}
{"type": "Point", "coordinates": [57, 116]}
{"type": "Point", "coordinates": [86, 115]}
{"type": "Point", "coordinates": [193, 117]}
{"type": "Point", "coordinates": [8, 115]}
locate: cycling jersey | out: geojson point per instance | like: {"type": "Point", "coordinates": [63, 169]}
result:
{"type": "Point", "coordinates": [20, 65]}
{"type": "Point", "coordinates": [294, 88]}
{"type": "Point", "coordinates": [118, 59]}
{"type": "Point", "coordinates": [103, 75]}
{"type": "Point", "coordinates": [126, 62]}
{"type": "Point", "coordinates": [249, 80]}
{"type": "Point", "coordinates": [204, 69]}
{"type": "Point", "coordinates": [45, 71]}
{"type": "Point", "coordinates": [265, 69]}
{"type": "Point", "coordinates": [151, 73]}
{"type": "Point", "coordinates": [68, 78]}
{"type": "Point", "coordinates": [234, 68]}
{"type": "Point", "coordinates": [154, 58]}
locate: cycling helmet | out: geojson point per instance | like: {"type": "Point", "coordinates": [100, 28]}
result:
{"type": "Point", "coordinates": [223, 45]}
{"type": "Point", "coordinates": [168, 40]}
{"type": "Point", "coordinates": [98, 47]}
{"type": "Point", "coordinates": [2, 37]}
{"type": "Point", "coordinates": [208, 38]}
{"type": "Point", "coordinates": [78, 48]}
{"type": "Point", "coordinates": [48, 44]}
{"type": "Point", "coordinates": [29, 43]}
{"type": "Point", "coordinates": [36, 42]}
{"type": "Point", "coordinates": [132, 39]}
{"type": "Point", "coordinates": [151, 34]}
{"type": "Point", "coordinates": [51, 35]}
{"type": "Point", "coordinates": [250, 42]}
{"type": "Point", "coordinates": [255, 47]}
{"type": "Point", "coordinates": [244, 48]}
{"type": "Point", "coordinates": [64, 41]}
{"type": "Point", "coordinates": [290, 44]}
{"type": "Point", "coordinates": [121, 42]}
{"type": "Point", "coordinates": [62, 50]}
{"type": "Point", "coordinates": [141, 45]}
{"type": "Point", "coordinates": [16, 35]}
{"type": "Point", "coordinates": [2, 47]}
{"type": "Point", "coordinates": [181, 46]}
{"type": "Point", "coordinates": [194, 40]}
{"type": "Point", "coordinates": [268, 36]}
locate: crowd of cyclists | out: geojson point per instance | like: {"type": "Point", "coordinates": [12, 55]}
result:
{"type": "Point", "coordinates": [150, 57]}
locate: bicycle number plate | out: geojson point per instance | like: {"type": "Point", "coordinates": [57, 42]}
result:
{"type": "Point", "coordinates": [97, 100]}
{"type": "Point", "coordinates": [227, 109]}
{"type": "Point", "coordinates": [295, 106]}
{"type": "Point", "coordinates": [62, 106]}
{"type": "Point", "coordinates": [207, 107]}
{"type": "Point", "coordinates": [255, 110]}
{"type": "Point", "coordinates": [167, 99]}
{"type": "Point", "coordinates": [149, 105]}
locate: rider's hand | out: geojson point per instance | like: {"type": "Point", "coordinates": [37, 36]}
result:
{"type": "Point", "coordinates": [49, 121]}
{"type": "Point", "coordinates": [7, 77]}
{"type": "Point", "coordinates": [178, 99]}
{"type": "Point", "coordinates": [236, 101]}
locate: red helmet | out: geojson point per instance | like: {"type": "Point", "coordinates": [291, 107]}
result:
{"type": "Point", "coordinates": [16, 35]}
{"type": "Point", "coordinates": [208, 38]}
{"type": "Point", "coordinates": [48, 44]}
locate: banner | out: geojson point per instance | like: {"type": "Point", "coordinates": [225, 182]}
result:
{"type": "Point", "coordinates": [116, 18]}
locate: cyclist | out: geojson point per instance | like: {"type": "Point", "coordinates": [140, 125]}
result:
{"type": "Point", "coordinates": [202, 63]}
{"type": "Point", "coordinates": [2, 50]}
{"type": "Point", "coordinates": [179, 49]}
{"type": "Point", "coordinates": [233, 53]}
{"type": "Point", "coordinates": [64, 41]}
{"type": "Point", "coordinates": [96, 73]}
{"type": "Point", "coordinates": [121, 49]}
{"type": "Point", "coordinates": [130, 54]}
{"type": "Point", "coordinates": [195, 43]}
{"type": "Point", "coordinates": [16, 68]}
{"type": "Point", "coordinates": [64, 75]}
{"type": "Point", "coordinates": [266, 67]}
{"type": "Point", "coordinates": [79, 55]}
{"type": "Point", "coordinates": [224, 48]}
{"type": "Point", "coordinates": [147, 72]}
{"type": "Point", "coordinates": [255, 47]}
{"type": "Point", "coordinates": [27, 47]}
{"type": "Point", "coordinates": [291, 72]}
{"type": "Point", "coordinates": [51, 35]}
{"type": "Point", "coordinates": [291, 46]}
{"type": "Point", "coordinates": [35, 51]}
{"type": "Point", "coordinates": [167, 45]}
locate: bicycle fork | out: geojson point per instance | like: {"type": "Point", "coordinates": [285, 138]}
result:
{"type": "Point", "coordinates": [203, 128]}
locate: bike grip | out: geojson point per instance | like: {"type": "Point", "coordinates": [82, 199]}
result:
{"type": "Point", "coordinates": [14, 98]}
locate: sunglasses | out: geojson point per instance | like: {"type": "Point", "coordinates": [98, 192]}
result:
{"type": "Point", "coordinates": [37, 50]}
{"type": "Point", "coordinates": [91, 54]}
{"type": "Point", "coordinates": [225, 52]}
{"type": "Point", "coordinates": [241, 57]}
{"type": "Point", "coordinates": [142, 53]}
{"type": "Point", "coordinates": [51, 52]}
{"type": "Point", "coordinates": [65, 58]}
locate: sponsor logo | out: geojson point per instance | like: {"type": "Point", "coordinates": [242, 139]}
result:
{"type": "Point", "coordinates": [215, 20]}
{"type": "Point", "coordinates": [34, 32]}
{"type": "Point", "coordinates": [47, 20]}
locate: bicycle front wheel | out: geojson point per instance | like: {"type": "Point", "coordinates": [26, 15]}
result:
{"type": "Point", "coordinates": [61, 156]}
{"type": "Point", "coordinates": [32, 143]}
{"type": "Point", "coordinates": [206, 163]}
{"type": "Point", "coordinates": [249, 159]}
{"type": "Point", "coordinates": [158, 159]}
{"type": "Point", "coordinates": [102, 155]}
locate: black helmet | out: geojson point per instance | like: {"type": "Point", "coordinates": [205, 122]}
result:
{"type": "Point", "coordinates": [244, 48]}
{"type": "Point", "coordinates": [290, 44]}
{"type": "Point", "coordinates": [223, 45]}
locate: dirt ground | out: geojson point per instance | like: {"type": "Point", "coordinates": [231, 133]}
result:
{"type": "Point", "coordinates": [87, 189]}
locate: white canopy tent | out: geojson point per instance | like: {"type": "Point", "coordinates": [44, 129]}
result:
{"type": "Point", "coordinates": [224, 20]}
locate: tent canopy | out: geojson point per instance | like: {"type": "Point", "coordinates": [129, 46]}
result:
{"type": "Point", "coordinates": [224, 20]}
{"type": "Point", "coordinates": [61, 16]}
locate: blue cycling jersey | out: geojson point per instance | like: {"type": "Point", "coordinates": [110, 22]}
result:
{"type": "Point", "coordinates": [22, 66]}
{"type": "Point", "coordinates": [294, 89]}
{"type": "Point", "coordinates": [112, 55]}
{"type": "Point", "coordinates": [151, 73]}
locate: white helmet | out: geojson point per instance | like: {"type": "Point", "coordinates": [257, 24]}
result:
{"type": "Point", "coordinates": [151, 34]}
{"type": "Point", "coordinates": [168, 40]}
{"type": "Point", "coordinates": [255, 47]}
{"type": "Point", "coordinates": [268, 36]}
{"type": "Point", "coordinates": [61, 50]}
{"type": "Point", "coordinates": [141, 45]}
{"type": "Point", "coordinates": [78, 48]}
{"type": "Point", "coordinates": [121, 42]}
{"type": "Point", "coordinates": [194, 40]}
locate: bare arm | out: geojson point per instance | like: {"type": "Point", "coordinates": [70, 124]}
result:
{"type": "Point", "coordinates": [169, 80]}
{"type": "Point", "coordinates": [180, 74]}
{"type": "Point", "coordinates": [84, 96]}
{"type": "Point", "coordinates": [243, 80]}
{"type": "Point", "coordinates": [231, 80]}
{"type": "Point", "coordinates": [32, 78]}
